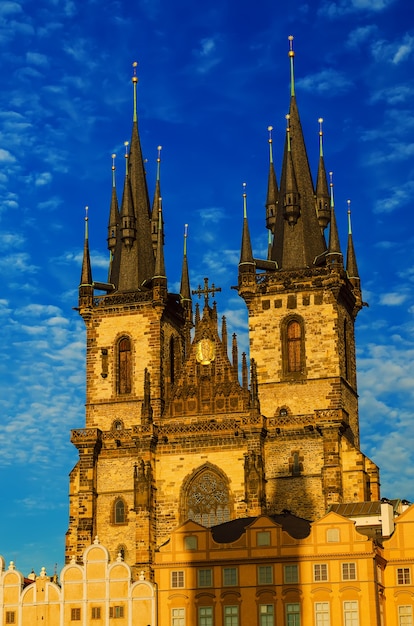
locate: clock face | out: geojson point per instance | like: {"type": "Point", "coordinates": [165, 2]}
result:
{"type": "Point", "coordinates": [206, 351]}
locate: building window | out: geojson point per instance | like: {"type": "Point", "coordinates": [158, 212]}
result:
{"type": "Point", "coordinates": [403, 576]}
{"type": "Point", "coordinates": [205, 616]}
{"type": "Point", "coordinates": [348, 571]}
{"type": "Point", "coordinates": [116, 611]}
{"type": "Point", "coordinates": [291, 574]}
{"type": "Point", "coordinates": [320, 572]}
{"type": "Point", "coordinates": [207, 499]}
{"type": "Point", "coordinates": [75, 615]}
{"type": "Point", "coordinates": [96, 612]}
{"type": "Point", "coordinates": [266, 615]}
{"type": "Point", "coordinates": [263, 538]}
{"type": "Point", "coordinates": [124, 365]}
{"type": "Point", "coordinates": [405, 615]}
{"type": "Point", "coordinates": [322, 616]}
{"type": "Point", "coordinates": [10, 617]}
{"type": "Point", "coordinates": [294, 345]}
{"type": "Point", "coordinates": [177, 617]}
{"type": "Point", "coordinates": [264, 575]}
{"type": "Point", "coordinates": [190, 543]}
{"type": "Point", "coordinates": [351, 617]}
{"type": "Point", "coordinates": [205, 577]}
{"type": "Point", "coordinates": [119, 512]}
{"type": "Point", "coordinates": [177, 579]}
{"type": "Point", "coordinates": [231, 616]}
{"type": "Point", "coordinates": [293, 614]}
{"type": "Point", "coordinates": [229, 576]}
{"type": "Point", "coordinates": [332, 535]}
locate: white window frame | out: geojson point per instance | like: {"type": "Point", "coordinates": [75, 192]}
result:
{"type": "Point", "coordinates": [231, 615]}
{"type": "Point", "coordinates": [266, 614]}
{"type": "Point", "coordinates": [177, 579]}
{"type": "Point", "coordinates": [320, 572]}
{"type": "Point", "coordinates": [405, 578]}
{"type": "Point", "coordinates": [351, 613]}
{"type": "Point", "coordinates": [178, 616]}
{"type": "Point", "coordinates": [349, 571]}
{"type": "Point", "coordinates": [322, 614]}
{"type": "Point", "coordinates": [405, 615]}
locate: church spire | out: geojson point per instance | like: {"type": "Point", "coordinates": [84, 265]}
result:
{"type": "Point", "coordinates": [334, 248]}
{"type": "Point", "coordinates": [86, 284]}
{"type": "Point", "coordinates": [322, 193]}
{"type": "Point", "coordinates": [272, 189]}
{"type": "Point", "coordinates": [113, 222]}
{"type": "Point", "coordinates": [246, 254]}
{"type": "Point", "coordinates": [351, 263]}
{"type": "Point", "coordinates": [155, 203]}
{"type": "Point", "coordinates": [134, 255]}
{"type": "Point", "coordinates": [298, 240]}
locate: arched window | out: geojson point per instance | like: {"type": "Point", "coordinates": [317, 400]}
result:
{"type": "Point", "coordinates": [119, 512]}
{"type": "Point", "coordinates": [293, 347]}
{"type": "Point", "coordinates": [294, 341]}
{"type": "Point", "coordinates": [124, 365]}
{"type": "Point", "coordinates": [207, 499]}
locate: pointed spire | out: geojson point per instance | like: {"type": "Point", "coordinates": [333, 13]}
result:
{"type": "Point", "coordinates": [155, 203]}
{"type": "Point", "coordinates": [86, 273]}
{"type": "Point", "coordinates": [245, 382]}
{"type": "Point", "coordinates": [322, 193]}
{"type": "Point", "coordinates": [224, 333]}
{"type": "Point", "coordinates": [185, 291]}
{"type": "Point", "coordinates": [291, 197]}
{"type": "Point", "coordinates": [235, 353]}
{"type": "Point", "coordinates": [351, 263]}
{"type": "Point", "coordinates": [296, 244]}
{"type": "Point", "coordinates": [272, 189]}
{"type": "Point", "coordinates": [246, 254]}
{"type": "Point", "coordinates": [159, 260]}
{"type": "Point", "coordinates": [334, 249]}
{"type": "Point", "coordinates": [86, 285]}
{"type": "Point", "coordinates": [127, 216]}
{"type": "Point", "coordinates": [113, 224]}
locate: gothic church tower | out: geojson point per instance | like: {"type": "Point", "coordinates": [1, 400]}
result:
{"type": "Point", "coordinates": [171, 432]}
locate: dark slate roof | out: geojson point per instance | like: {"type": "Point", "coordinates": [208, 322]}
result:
{"type": "Point", "coordinates": [361, 509]}
{"type": "Point", "coordinates": [228, 532]}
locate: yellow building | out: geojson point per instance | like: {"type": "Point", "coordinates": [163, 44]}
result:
{"type": "Point", "coordinates": [262, 571]}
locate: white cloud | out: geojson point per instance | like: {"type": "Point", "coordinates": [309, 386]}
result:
{"type": "Point", "coordinates": [327, 82]}
{"type": "Point", "coordinates": [6, 156]}
{"type": "Point", "coordinates": [393, 299]}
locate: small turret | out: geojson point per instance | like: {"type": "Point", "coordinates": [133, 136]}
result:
{"type": "Point", "coordinates": [127, 216]}
{"type": "Point", "coordinates": [272, 189]}
{"type": "Point", "coordinates": [334, 254]}
{"type": "Point", "coordinates": [86, 283]}
{"type": "Point", "coordinates": [160, 277]}
{"type": "Point", "coordinates": [291, 196]}
{"type": "Point", "coordinates": [113, 222]}
{"type": "Point", "coordinates": [247, 265]}
{"type": "Point", "coordinates": [155, 203]}
{"type": "Point", "coordinates": [322, 194]}
{"type": "Point", "coordinates": [351, 262]}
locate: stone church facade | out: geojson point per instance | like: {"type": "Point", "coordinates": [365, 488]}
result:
{"type": "Point", "coordinates": [181, 427]}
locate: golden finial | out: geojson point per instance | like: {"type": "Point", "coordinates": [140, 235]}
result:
{"type": "Point", "coordinates": [270, 140]}
{"type": "Point", "coordinates": [320, 120]}
{"type": "Point", "coordinates": [331, 187]}
{"type": "Point", "coordinates": [126, 155]}
{"type": "Point", "coordinates": [86, 222]}
{"type": "Point", "coordinates": [113, 170]}
{"type": "Point", "coordinates": [185, 238]}
{"type": "Point", "coordinates": [134, 76]}
{"type": "Point", "coordinates": [349, 217]}
{"type": "Point", "coordinates": [159, 153]}
{"type": "Point", "coordinates": [292, 74]}
{"type": "Point", "coordinates": [86, 213]}
{"type": "Point", "coordinates": [244, 200]}
{"type": "Point", "coordinates": [113, 161]}
{"type": "Point", "coordinates": [159, 162]}
{"type": "Point", "coordinates": [287, 117]}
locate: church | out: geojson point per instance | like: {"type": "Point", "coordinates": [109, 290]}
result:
{"type": "Point", "coordinates": [215, 488]}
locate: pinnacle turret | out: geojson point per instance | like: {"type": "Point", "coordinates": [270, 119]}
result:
{"type": "Point", "coordinates": [351, 262]}
{"type": "Point", "coordinates": [86, 284]}
{"type": "Point", "coordinates": [334, 253]}
{"type": "Point", "coordinates": [272, 189]}
{"type": "Point", "coordinates": [322, 193]}
{"type": "Point", "coordinates": [155, 203]}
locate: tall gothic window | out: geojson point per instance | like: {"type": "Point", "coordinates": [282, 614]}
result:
{"type": "Point", "coordinates": [172, 360]}
{"type": "Point", "coordinates": [124, 365]}
{"type": "Point", "coordinates": [293, 347]}
{"type": "Point", "coordinates": [294, 340]}
{"type": "Point", "coordinates": [208, 499]}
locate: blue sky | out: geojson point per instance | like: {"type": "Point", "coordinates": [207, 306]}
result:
{"type": "Point", "coordinates": [211, 80]}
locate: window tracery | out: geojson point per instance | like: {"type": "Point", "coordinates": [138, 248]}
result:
{"type": "Point", "coordinates": [208, 499]}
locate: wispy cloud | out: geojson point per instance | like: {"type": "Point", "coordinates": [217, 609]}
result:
{"type": "Point", "coordinates": [328, 82]}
